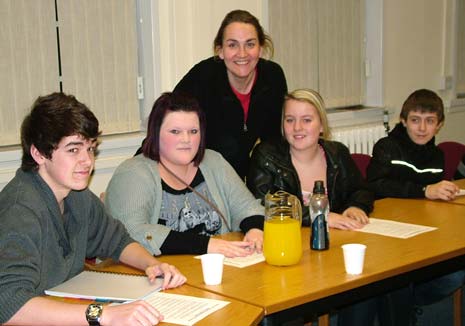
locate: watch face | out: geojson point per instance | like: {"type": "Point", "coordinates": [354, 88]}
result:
{"type": "Point", "coordinates": [93, 313]}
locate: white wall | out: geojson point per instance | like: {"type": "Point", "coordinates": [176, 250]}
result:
{"type": "Point", "coordinates": [187, 30]}
{"type": "Point", "coordinates": [418, 54]}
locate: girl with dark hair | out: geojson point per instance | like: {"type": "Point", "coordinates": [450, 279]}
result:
{"type": "Point", "coordinates": [177, 194]}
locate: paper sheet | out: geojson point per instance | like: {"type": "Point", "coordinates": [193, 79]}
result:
{"type": "Point", "coordinates": [394, 229]}
{"type": "Point", "coordinates": [461, 192]}
{"type": "Point", "coordinates": [183, 309]}
{"type": "Point", "coordinates": [241, 262]}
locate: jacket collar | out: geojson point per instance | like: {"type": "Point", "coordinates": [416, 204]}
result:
{"type": "Point", "coordinates": [330, 154]}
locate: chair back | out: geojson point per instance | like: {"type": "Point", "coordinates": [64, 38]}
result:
{"type": "Point", "coordinates": [453, 152]}
{"type": "Point", "coordinates": [362, 161]}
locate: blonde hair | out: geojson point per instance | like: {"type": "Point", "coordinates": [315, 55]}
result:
{"type": "Point", "coordinates": [314, 98]}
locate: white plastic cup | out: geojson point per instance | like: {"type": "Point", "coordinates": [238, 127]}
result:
{"type": "Point", "coordinates": [212, 268]}
{"type": "Point", "coordinates": [354, 256]}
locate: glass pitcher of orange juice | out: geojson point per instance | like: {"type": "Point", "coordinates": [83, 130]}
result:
{"type": "Point", "coordinates": [282, 243]}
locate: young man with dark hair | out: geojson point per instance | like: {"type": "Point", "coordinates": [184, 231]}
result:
{"type": "Point", "coordinates": [51, 222]}
{"type": "Point", "coordinates": [408, 164]}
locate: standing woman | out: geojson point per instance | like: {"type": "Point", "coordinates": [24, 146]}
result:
{"type": "Point", "coordinates": [305, 155]}
{"type": "Point", "coordinates": [240, 92]}
{"type": "Point", "coordinates": [177, 194]}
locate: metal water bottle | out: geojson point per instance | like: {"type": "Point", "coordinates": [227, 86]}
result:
{"type": "Point", "coordinates": [319, 209]}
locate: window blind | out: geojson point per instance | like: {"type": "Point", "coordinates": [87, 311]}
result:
{"type": "Point", "coordinates": [98, 44]}
{"type": "Point", "coordinates": [319, 44]}
{"type": "Point", "coordinates": [29, 63]}
{"type": "Point", "coordinates": [460, 59]}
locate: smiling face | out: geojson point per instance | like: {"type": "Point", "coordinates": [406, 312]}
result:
{"type": "Point", "coordinates": [240, 50]}
{"type": "Point", "coordinates": [70, 165]}
{"type": "Point", "coordinates": [179, 138]}
{"type": "Point", "coordinates": [301, 125]}
{"type": "Point", "coordinates": [421, 126]}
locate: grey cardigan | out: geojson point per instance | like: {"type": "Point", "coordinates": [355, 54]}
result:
{"type": "Point", "coordinates": [134, 196]}
{"type": "Point", "coordinates": [40, 248]}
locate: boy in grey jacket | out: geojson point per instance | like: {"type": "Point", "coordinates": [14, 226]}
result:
{"type": "Point", "coordinates": [51, 222]}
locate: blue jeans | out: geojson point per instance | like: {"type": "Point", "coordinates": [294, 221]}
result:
{"type": "Point", "coordinates": [429, 292]}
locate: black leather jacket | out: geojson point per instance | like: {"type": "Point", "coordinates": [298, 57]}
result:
{"type": "Point", "coordinates": [271, 169]}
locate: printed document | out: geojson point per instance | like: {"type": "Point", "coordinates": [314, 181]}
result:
{"type": "Point", "coordinates": [394, 229]}
{"type": "Point", "coordinates": [183, 309]}
{"type": "Point", "coordinates": [241, 262]}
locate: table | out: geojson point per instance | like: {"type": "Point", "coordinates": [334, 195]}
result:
{"type": "Point", "coordinates": [235, 313]}
{"type": "Point", "coordinates": [319, 284]}
{"type": "Point", "coordinates": [319, 281]}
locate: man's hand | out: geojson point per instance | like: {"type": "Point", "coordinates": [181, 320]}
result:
{"type": "Point", "coordinates": [444, 190]}
{"type": "Point", "coordinates": [172, 277]}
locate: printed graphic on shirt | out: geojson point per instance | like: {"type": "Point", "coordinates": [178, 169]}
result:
{"type": "Point", "coordinates": [186, 211]}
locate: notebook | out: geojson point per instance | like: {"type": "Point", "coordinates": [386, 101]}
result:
{"type": "Point", "coordinates": [103, 286]}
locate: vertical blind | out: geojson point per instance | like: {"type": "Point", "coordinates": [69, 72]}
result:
{"type": "Point", "coordinates": [460, 54]}
{"type": "Point", "coordinates": [98, 43]}
{"type": "Point", "coordinates": [97, 50]}
{"type": "Point", "coordinates": [29, 60]}
{"type": "Point", "coordinates": [319, 44]}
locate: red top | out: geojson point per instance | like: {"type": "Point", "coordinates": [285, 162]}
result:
{"type": "Point", "coordinates": [245, 98]}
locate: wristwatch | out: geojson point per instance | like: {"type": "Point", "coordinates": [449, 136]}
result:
{"type": "Point", "coordinates": [94, 313]}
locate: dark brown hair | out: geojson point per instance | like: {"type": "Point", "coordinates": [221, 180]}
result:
{"type": "Point", "coordinates": [52, 118]}
{"type": "Point", "coordinates": [172, 102]}
{"type": "Point", "coordinates": [423, 100]}
{"type": "Point", "coordinates": [242, 16]}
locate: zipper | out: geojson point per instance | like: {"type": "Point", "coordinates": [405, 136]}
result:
{"type": "Point", "coordinates": [336, 168]}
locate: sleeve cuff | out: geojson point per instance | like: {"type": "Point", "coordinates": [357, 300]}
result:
{"type": "Point", "coordinates": [184, 243]}
{"type": "Point", "coordinates": [252, 222]}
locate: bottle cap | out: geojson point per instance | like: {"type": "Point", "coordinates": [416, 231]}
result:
{"type": "Point", "coordinates": [319, 187]}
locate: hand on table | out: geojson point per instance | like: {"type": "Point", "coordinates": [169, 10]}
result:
{"type": "Point", "coordinates": [444, 190]}
{"type": "Point", "coordinates": [172, 277]}
{"type": "Point", "coordinates": [357, 214]}
{"type": "Point", "coordinates": [255, 237]}
{"type": "Point", "coordinates": [342, 222]}
{"type": "Point", "coordinates": [135, 313]}
{"type": "Point", "coordinates": [230, 248]}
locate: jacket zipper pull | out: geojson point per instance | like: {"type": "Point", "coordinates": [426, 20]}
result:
{"type": "Point", "coordinates": [245, 127]}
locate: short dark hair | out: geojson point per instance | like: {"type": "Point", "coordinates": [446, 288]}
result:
{"type": "Point", "coordinates": [423, 100]}
{"type": "Point", "coordinates": [52, 118]}
{"type": "Point", "coordinates": [243, 16]}
{"type": "Point", "coordinates": [172, 102]}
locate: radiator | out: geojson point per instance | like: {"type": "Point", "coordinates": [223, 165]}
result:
{"type": "Point", "coordinates": [359, 138]}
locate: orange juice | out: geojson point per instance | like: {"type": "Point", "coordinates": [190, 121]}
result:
{"type": "Point", "coordinates": [282, 241]}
